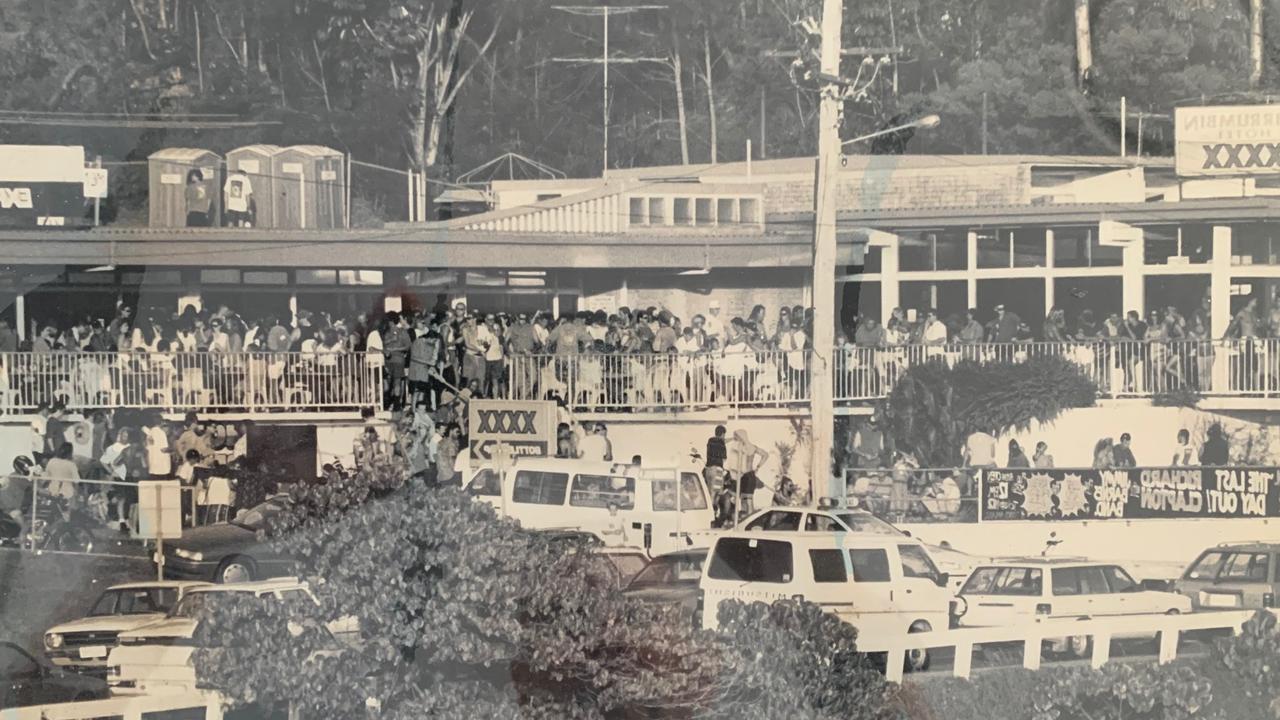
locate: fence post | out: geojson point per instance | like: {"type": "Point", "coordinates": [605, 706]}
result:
{"type": "Point", "coordinates": [1031, 650]}
{"type": "Point", "coordinates": [963, 662]}
{"type": "Point", "coordinates": [1168, 645]}
{"type": "Point", "coordinates": [1101, 649]}
{"type": "Point", "coordinates": [894, 660]}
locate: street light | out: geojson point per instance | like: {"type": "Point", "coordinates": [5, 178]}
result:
{"type": "Point", "coordinates": [928, 121]}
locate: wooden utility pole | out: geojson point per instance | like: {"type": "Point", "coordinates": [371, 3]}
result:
{"type": "Point", "coordinates": [605, 59]}
{"type": "Point", "coordinates": [822, 396]}
{"type": "Point", "coordinates": [1084, 44]}
{"type": "Point", "coordinates": [1255, 44]}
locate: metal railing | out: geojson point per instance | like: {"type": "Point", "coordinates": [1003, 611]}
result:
{"type": "Point", "coordinates": [1032, 636]}
{"type": "Point", "coordinates": [190, 380]}
{"type": "Point", "coordinates": [908, 494]}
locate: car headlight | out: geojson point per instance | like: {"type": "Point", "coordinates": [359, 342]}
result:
{"type": "Point", "coordinates": [188, 554]}
{"type": "Point", "coordinates": [53, 641]}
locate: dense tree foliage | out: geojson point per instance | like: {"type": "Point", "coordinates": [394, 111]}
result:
{"type": "Point", "coordinates": [450, 84]}
{"type": "Point", "coordinates": [462, 614]}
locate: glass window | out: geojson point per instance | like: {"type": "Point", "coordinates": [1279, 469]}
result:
{"type": "Point", "coordinates": [664, 495]}
{"type": "Point", "coordinates": [751, 560]}
{"type": "Point", "coordinates": [1071, 247]}
{"type": "Point", "coordinates": [486, 482]}
{"type": "Point", "coordinates": [683, 211]}
{"type": "Point", "coordinates": [866, 522]}
{"type": "Point", "coordinates": [1197, 243]}
{"type": "Point", "coordinates": [692, 495]}
{"type": "Point", "coordinates": [951, 248]}
{"type": "Point", "coordinates": [539, 488]}
{"type": "Point", "coordinates": [1159, 243]}
{"type": "Point", "coordinates": [220, 276]}
{"type": "Point", "coordinates": [360, 277]}
{"type": "Point", "coordinates": [1163, 242]}
{"type": "Point", "coordinates": [916, 562]}
{"type": "Point", "coordinates": [1066, 581]}
{"type": "Point", "coordinates": [316, 277]}
{"type": "Point", "coordinates": [1255, 244]}
{"type": "Point", "coordinates": [1250, 567]}
{"type": "Point", "coordinates": [262, 277]}
{"type": "Point", "coordinates": [915, 251]}
{"type": "Point", "coordinates": [814, 522]}
{"type": "Point", "coordinates": [828, 566]}
{"type": "Point", "coordinates": [981, 582]}
{"type": "Point", "coordinates": [1206, 568]}
{"type": "Point", "coordinates": [1093, 581]}
{"type": "Point", "coordinates": [164, 598]}
{"type": "Point", "coordinates": [1119, 580]}
{"type": "Point", "coordinates": [1019, 581]}
{"type": "Point", "coordinates": [781, 520]}
{"type": "Point", "coordinates": [601, 491]}
{"type": "Point", "coordinates": [637, 208]}
{"type": "Point", "coordinates": [106, 604]}
{"type": "Point", "coordinates": [668, 569]}
{"type": "Point", "coordinates": [995, 248]}
{"type": "Point", "coordinates": [870, 565]}
{"type": "Point", "coordinates": [1029, 248]}
{"type": "Point", "coordinates": [933, 250]}
{"type": "Point", "coordinates": [136, 602]}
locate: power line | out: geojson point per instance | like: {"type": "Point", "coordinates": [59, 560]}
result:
{"type": "Point", "coordinates": [605, 13]}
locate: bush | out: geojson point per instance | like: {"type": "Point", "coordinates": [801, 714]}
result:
{"type": "Point", "coordinates": [935, 406]}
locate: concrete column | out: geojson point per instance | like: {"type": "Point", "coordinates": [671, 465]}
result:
{"type": "Point", "coordinates": [623, 294]}
{"type": "Point", "coordinates": [293, 308]}
{"type": "Point", "coordinates": [1220, 303]}
{"type": "Point", "coordinates": [1132, 290]}
{"type": "Point", "coordinates": [20, 316]}
{"type": "Point", "coordinates": [971, 282]}
{"type": "Point", "coordinates": [889, 290]}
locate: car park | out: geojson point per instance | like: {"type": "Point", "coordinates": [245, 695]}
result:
{"type": "Point", "coordinates": [83, 644]}
{"type": "Point", "coordinates": [956, 564]}
{"type": "Point", "coordinates": [882, 584]}
{"type": "Point", "coordinates": [622, 505]}
{"type": "Point", "coordinates": [670, 579]}
{"type": "Point", "coordinates": [1030, 590]}
{"type": "Point", "coordinates": [156, 658]}
{"type": "Point", "coordinates": [1233, 576]}
{"type": "Point", "coordinates": [24, 680]}
{"type": "Point", "coordinates": [229, 552]}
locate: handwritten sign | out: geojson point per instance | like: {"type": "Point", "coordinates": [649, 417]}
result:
{"type": "Point", "coordinates": [1135, 493]}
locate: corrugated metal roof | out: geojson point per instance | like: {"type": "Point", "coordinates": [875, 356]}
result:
{"type": "Point", "coordinates": [180, 154]}
{"type": "Point", "coordinates": [314, 150]}
{"type": "Point", "coordinates": [258, 148]}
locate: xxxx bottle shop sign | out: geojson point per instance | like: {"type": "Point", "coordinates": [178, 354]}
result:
{"type": "Point", "coordinates": [521, 429]}
{"type": "Point", "coordinates": [1227, 140]}
{"type": "Point", "coordinates": [1064, 494]}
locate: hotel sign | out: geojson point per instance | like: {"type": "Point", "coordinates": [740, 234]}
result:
{"type": "Point", "coordinates": [1227, 140]}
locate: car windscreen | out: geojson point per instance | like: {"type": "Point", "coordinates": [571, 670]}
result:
{"type": "Point", "coordinates": [751, 560]}
{"type": "Point", "coordinates": [1004, 581]}
{"type": "Point", "coordinates": [866, 522]}
{"type": "Point", "coordinates": [671, 569]}
{"type": "Point", "coordinates": [1205, 568]}
{"type": "Point", "coordinates": [106, 604]}
{"type": "Point", "coordinates": [259, 517]}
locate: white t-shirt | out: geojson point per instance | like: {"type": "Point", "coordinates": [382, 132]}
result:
{"type": "Point", "coordinates": [237, 190]}
{"type": "Point", "coordinates": [593, 447]}
{"type": "Point", "coordinates": [159, 460]}
{"type": "Point", "coordinates": [935, 333]}
{"type": "Point", "coordinates": [39, 426]}
{"type": "Point", "coordinates": [113, 451]}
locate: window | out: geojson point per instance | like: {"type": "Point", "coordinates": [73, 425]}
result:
{"type": "Point", "coordinates": [916, 563]}
{"type": "Point", "coordinates": [601, 491]}
{"type": "Point", "coordinates": [1255, 244]}
{"type": "Point", "coordinates": [682, 211]}
{"type": "Point", "coordinates": [692, 496]}
{"type": "Point", "coordinates": [664, 495]}
{"type": "Point", "coordinates": [539, 488]}
{"type": "Point", "coordinates": [933, 250]}
{"type": "Point", "coordinates": [316, 277]}
{"type": "Point", "coordinates": [703, 209]}
{"type": "Point", "coordinates": [1249, 567]}
{"type": "Point", "coordinates": [106, 605]}
{"type": "Point", "coordinates": [866, 522]}
{"type": "Point", "coordinates": [359, 277]}
{"type": "Point", "coordinates": [751, 560]}
{"type": "Point", "coordinates": [1079, 247]}
{"type": "Point", "coordinates": [1162, 242]}
{"type": "Point", "coordinates": [1079, 581]}
{"type": "Point", "coordinates": [669, 569]}
{"type": "Point", "coordinates": [1206, 568]}
{"type": "Point", "coordinates": [637, 208]}
{"type": "Point", "coordinates": [164, 598]}
{"type": "Point", "coordinates": [995, 248]}
{"type": "Point", "coordinates": [1029, 248]}
{"type": "Point", "coordinates": [981, 582]}
{"type": "Point", "coordinates": [828, 566]}
{"type": "Point", "coordinates": [486, 482]}
{"type": "Point", "coordinates": [265, 277]}
{"type": "Point", "coordinates": [136, 602]}
{"type": "Point", "coordinates": [220, 277]}
{"type": "Point", "coordinates": [1066, 581]}
{"type": "Point", "coordinates": [784, 520]}
{"type": "Point", "coordinates": [822, 523]}
{"type": "Point", "coordinates": [1093, 581]}
{"type": "Point", "coordinates": [870, 565]}
{"type": "Point", "coordinates": [1019, 581]}
{"type": "Point", "coordinates": [657, 211]}
{"type": "Point", "coordinates": [1119, 580]}
{"type": "Point", "coordinates": [749, 211]}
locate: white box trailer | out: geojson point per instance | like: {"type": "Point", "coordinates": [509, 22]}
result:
{"type": "Point", "coordinates": [42, 186]}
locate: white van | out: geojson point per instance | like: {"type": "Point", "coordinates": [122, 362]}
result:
{"type": "Point", "coordinates": [656, 508]}
{"type": "Point", "coordinates": [883, 585]}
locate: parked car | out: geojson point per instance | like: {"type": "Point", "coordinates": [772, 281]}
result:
{"type": "Point", "coordinates": [884, 585]}
{"type": "Point", "coordinates": [25, 680]}
{"type": "Point", "coordinates": [157, 657]}
{"type": "Point", "coordinates": [956, 564]}
{"type": "Point", "coordinates": [671, 579]}
{"type": "Point", "coordinates": [1029, 590]}
{"type": "Point", "coordinates": [82, 645]}
{"type": "Point", "coordinates": [1233, 576]}
{"type": "Point", "coordinates": [229, 552]}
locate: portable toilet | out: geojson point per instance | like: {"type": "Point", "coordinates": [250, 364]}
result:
{"type": "Point", "coordinates": [255, 161]}
{"type": "Point", "coordinates": [310, 187]}
{"type": "Point", "coordinates": [167, 172]}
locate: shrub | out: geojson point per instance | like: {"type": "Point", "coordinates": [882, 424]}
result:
{"type": "Point", "coordinates": [1253, 659]}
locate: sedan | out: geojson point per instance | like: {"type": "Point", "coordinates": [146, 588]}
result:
{"type": "Point", "coordinates": [229, 552]}
{"type": "Point", "coordinates": [26, 681]}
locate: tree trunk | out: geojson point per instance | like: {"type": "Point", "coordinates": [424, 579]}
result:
{"type": "Point", "coordinates": [244, 41]}
{"type": "Point", "coordinates": [455, 17]}
{"type": "Point", "coordinates": [1084, 44]}
{"type": "Point", "coordinates": [677, 70]}
{"type": "Point", "coordinates": [423, 113]}
{"type": "Point", "coordinates": [195, 17]}
{"type": "Point", "coordinates": [711, 94]}
{"type": "Point", "coordinates": [1255, 44]}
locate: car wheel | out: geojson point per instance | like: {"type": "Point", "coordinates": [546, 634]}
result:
{"type": "Point", "coordinates": [918, 660]}
{"type": "Point", "coordinates": [236, 569]}
{"type": "Point", "coordinates": [1079, 646]}
{"type": "Point", "coordinates": [73, 539]}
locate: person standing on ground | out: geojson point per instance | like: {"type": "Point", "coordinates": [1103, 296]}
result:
{"type": "Point", "coordinates": [238, 191]}
{"type": "Point", "coordinates": [1123, 453]}
{"type": "Point", "coordinates": [197, 199]}
{"type": "Point", "coordinates": [596, 445]}
{"type": "Point", "coordinates": [869, 445]}
{"type": "Point", "coordinates": [447, 455]}
{"type": "Point", "coordinates": [717, 451]}
{"type": "Point", "coordinates": [744, 459]}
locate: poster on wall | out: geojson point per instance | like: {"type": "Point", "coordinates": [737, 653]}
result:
{"type": "Point", "coordinates": [1133, 493]}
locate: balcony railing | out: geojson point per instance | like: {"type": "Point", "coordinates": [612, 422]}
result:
{"type": "Point", "coordinates": [254, 381]}
{"type": "Point", "coordinates": [250, 381]}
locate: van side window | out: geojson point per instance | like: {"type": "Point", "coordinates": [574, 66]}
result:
{"type": "Point", "coordinates": [981, 582]}
{"type": "Point", "coordinates": [1019, 581]}
{"type": "Point", "coordinates": [751, 560]}
{"type": "Point", "coordinates": [486, 482]}
{"type": "Point", "coordinates": [870, 565]}
{"type": "Point", "coordinates": [782, 520]}
{"type": "Point", "coordinates": [1120, 581]}
{"type": "Point", "coordinates": [1245, 566]}
{"type": "Point", "coordinates": [1066, 581]}
{"type": "Point", "coordinates": [814, 522]}
{"type": "Point", "coordinates": [916, 563]}
{"type": "Point", "coordinates": [828, 566]}
{"type": "Point", "coordinates": [539, 488]}
{"type": "Point", "coordinates": [691, 495]}
{"type": "Point", "coordinates": [601, 491]}
{"type": "Point", "coordinates": [664, 495]}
